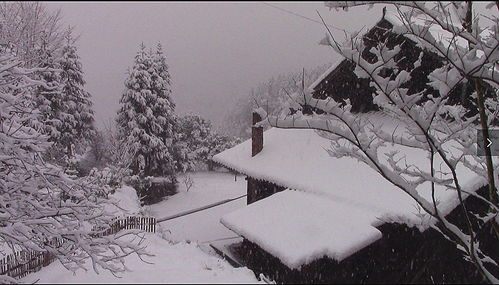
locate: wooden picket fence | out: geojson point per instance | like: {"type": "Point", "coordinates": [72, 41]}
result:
{"type": "Point", "coordinates": [21, 263]}
{"type": "Point", "coordinates": [147, 224]}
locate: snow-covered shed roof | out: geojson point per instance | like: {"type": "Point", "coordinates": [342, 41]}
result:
{"type": "Point", "coordinates": [336, 198]}
{"type": "Point", "coordinates": [301, 217]}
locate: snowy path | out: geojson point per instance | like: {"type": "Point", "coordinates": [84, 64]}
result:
{"type": "Point", "coordinates": [173, 263]}
{"type": "Point", "coordinates": [204, 226]}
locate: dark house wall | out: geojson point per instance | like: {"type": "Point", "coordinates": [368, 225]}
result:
{"type": "Point", "coordinates": [259, 189]}
{"type": "Point", "coordinates": [402, 255]}
{"type": "Point", "coordinates": [342, 83]}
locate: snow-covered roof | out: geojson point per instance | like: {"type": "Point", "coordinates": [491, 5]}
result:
{"type": "Point", "coordinates": [393, 18]}
{"type": "Point", "coordinates": [297, 159]}
{"type": "Point", "coordinates": [291, 226]}
{"type": "Point", "coordinates": [356, 196]}
{"type": "Point", "coordinates": [435, 30]}
{"type": "Point", "coordinates": [334, 65]}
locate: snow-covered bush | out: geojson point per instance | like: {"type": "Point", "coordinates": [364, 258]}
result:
{"type": "Point", "coordinates": [72, 168]}
{"type": "Point", "coordinates": [151, 189]}
{"type": "Point", "coordinates": [101, 153]}
{"type": "Point", "coordinates": [195, 135]}
{"type": "Point", "coordinates": [110, 176]}
{"type": "Point", "coordinates": [219, 143]}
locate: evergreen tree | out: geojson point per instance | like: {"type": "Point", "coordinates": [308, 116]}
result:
{"type": "Point", "coordinates": [146, 119]}
{"type": "Point", "coordinates": [196, 139]}
{"type": "Point", "coordinates": [218, 143]}
{"type": "Point", "coordinates": [77, 121]}
{"type": "Point", "coordinates": [161, 70]}
{"type": "Point", "coordinates": [48, 97]}
{"type": "Point", "coordinates": [161, 83]}
{"type": "Point", "coordinates": [201, 142]}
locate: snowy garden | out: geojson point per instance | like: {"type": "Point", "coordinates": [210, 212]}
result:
{"type": "Point", "coordinates": [378, 167]}
{"type": "Point", "coordinates": [181, 251]}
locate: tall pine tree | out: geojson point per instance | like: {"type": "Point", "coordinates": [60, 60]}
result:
{"type": "Point", "coordinates": [48, 97]}
{"type": "Point", "coordinates": [147, 117]}
{"type": "Point", "coordinates": [77, 127]}
{"type": "Point", "coordinates": [178, 149]}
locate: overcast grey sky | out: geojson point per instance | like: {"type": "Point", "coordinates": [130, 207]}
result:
{"type": "Point", "coordinates": [216, 51]}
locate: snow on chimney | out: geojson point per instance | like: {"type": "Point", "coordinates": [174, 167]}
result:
{"type": "Point", "coordinates": [256, 135]}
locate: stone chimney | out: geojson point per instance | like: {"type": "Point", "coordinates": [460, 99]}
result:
{"type": "Point", "coordinates": [256, 135]}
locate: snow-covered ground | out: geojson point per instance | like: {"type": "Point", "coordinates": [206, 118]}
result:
{"type": "Point", "coordinates": [175, 260]}
{"type": "Point", "coordinates": [173, 263]}
{"type": "Point", "coordinates": [204, 226]}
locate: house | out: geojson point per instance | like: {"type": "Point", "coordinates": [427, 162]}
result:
{"type": "Point", "coordinates": [314, 218]}
{"type": "Point", "coordinates": [340, 82]}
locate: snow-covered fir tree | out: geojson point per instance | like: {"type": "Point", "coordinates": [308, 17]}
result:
{"type": "Point", "coordinates": [179, 150]}
{"type": "Point", "coordinates": [201, 142]}
{"type": "Point", "coordinates": [146, 119]}
{"type": "Point", "coordinates": [196, 139]}
{"type": "Point", "coordinates": [77, 121]}
{"type": "Point", "coordinates": [49, 100]}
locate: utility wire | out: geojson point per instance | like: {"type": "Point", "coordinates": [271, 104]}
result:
{"type": "Point", "coordinates": [299, 15]}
